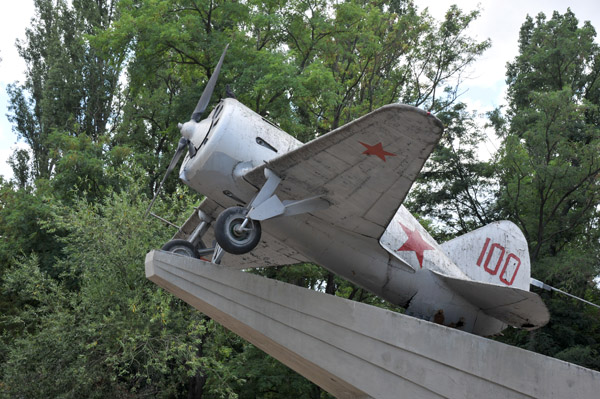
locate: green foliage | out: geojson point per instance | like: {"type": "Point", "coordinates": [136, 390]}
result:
{"type": "Point", "coordinates": [311, 66]}
{"type": "Point", "coordinates": [85, 167]}
{"type": "Point", "coordinates": [555, 54]}
{"type": "Point", "coordinates": [456, 189]}
{"type": "Point", "coordinates": [22, 213]}
{"type": "Point", "coordinates": [549, 160]}
{"type": "Point", "coordinates": [265, 377]}
{"type": "Point", "coordinates": [101, 329]}
{"type": "Point", "coordinates": [67, 87]}
{"type": "Point", "coordinates": [19, 162]}
{"type": "Point", "coordinates": [548, 170]}
{"type": "Point", "coordinates": [79, 318]}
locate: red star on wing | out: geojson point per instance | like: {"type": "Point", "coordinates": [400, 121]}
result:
{"type": "Point", "coordinates": [415, 243]}
{"type": "Point", "coordinates": [377, 150]}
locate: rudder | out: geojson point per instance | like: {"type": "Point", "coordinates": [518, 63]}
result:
{"type": "Point", "coordinates": [495, 254]}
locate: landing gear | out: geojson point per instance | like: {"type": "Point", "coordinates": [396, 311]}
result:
{"type": "Point", "coordinates": [181, 247]}
{"type": "Point", "coordinates": [236, 233]}
{"type": "Point", "coordinates": [237, 230]}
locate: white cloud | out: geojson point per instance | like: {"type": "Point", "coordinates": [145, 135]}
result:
{"type": "Point", "coordinates": [501, 22]}
{"type": "Point", "coordinates": [485, 89]}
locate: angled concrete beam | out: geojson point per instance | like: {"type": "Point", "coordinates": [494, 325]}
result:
{"type": "Point", "coordinates": [354, 350]}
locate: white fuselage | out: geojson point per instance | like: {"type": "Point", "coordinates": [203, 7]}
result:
{"type": "Point", "coordinates": [234, 139]}
{"type": "Point", "coordinates": [230, 142]}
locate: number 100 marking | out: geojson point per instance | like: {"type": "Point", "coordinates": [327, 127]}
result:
{"type": "Point", "coordinates": [498, 249]}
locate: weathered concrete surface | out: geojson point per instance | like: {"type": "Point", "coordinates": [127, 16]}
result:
{"type": "Point", "coordinates": [356, 350]}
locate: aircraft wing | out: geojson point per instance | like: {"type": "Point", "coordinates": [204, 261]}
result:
{"type": "Point", "coordinates": [363, 169]}
{"type": "Point", "coordinates": [269, 252]}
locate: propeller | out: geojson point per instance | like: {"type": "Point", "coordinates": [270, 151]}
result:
{"type": "Point", "coordinates": [208, 90]}
{"type": "Point", "coordinates": [188, 128]}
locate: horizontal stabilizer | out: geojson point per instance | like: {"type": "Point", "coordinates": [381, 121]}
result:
{"type": "Point", "coordinates": [512, 306]}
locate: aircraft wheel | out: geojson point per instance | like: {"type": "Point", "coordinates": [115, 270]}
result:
{"type": "Point", "coordinates": [181, 247]}
{"type": "Point", "coordinates": [228, 235]}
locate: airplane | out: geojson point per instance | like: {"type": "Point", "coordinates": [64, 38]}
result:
{"type": "Point", "coordinates": [336, 201]}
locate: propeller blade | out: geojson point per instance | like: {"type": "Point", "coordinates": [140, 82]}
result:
{"type": "Point", "coordinates": [181, 146]}
{"type": "Point", "coordinates": [208, 90]}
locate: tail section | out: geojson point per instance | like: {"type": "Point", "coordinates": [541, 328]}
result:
{"type": "Point", "coordinates": [496, 258]}
{"type": "Point", "coordinates": [513, 306]}
{"type": "Point", "coordinates": [495, 254]}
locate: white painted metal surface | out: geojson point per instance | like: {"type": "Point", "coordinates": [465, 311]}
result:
{"type": "Point", "coordinates": [364, 169]}
{"type": "Point", "coordinates": [408, 241]}
{"type": "Point", "coordinates": [356, 178]}
{"type": "Point", "coordinates": [232, 140]}
{"type": "Point", "coordinates": [496, 253]}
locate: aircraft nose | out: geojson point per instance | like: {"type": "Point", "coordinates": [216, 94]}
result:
{"type": "Point", "coordinates": [187, 129]}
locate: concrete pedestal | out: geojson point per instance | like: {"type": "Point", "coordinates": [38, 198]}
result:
{"type": "Point", "coordinates": [354, 350]}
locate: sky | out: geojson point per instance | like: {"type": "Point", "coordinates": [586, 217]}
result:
{"type": "Point", "coordinates": [501, 21]}
{"type": "Point", "coordinates": [13, 21]}
{"type": "Point", "coordinates": [483, 91]}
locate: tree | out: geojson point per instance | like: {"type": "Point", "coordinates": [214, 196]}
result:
{"type": "Point", "coordinates": [310, 66]}
{"type": "Point", "coordinates": [548, 169]}
{"type": "Point", "coordinates": [456, 189]}
{"type": "Point", "coordinates": [101, 329]}
{"type": "Point", "coordinates": [81, 319]}
{"type": "Point", "coordinates": [19, 163]}
{"type": "Point", "coordinates": [68, 87]}
{"type": "Point", "coordinates": [22, 211]}
{"type": "Point", "coordinates": [549, 160]}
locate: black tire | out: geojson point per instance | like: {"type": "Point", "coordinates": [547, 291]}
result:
{"type": "Point", "coordinates": [181, 247]}
{"type": "Point", "coordinates": [230, 240]}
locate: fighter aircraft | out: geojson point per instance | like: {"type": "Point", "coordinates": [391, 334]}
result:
{"type": "Point", "coordinates": [337, 202]}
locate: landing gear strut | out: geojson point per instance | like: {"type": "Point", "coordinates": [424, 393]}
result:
{"type": "Point", "coordinates": [235, 232]}
{"type": "Point", "coordinates": [193, 245]}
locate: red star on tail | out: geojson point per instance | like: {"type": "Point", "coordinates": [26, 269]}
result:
{"type": "Point", "coordinates": [377, 150]}
{"type": "Point", "coordinates": [415, 243]}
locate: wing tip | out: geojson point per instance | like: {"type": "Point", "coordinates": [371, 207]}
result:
{"type": "Point", "coordinates": [411, 108]}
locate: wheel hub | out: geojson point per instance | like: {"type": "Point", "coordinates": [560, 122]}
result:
{"type": "Point", "coordinates": [239, 231]}
{"type": "Point", "coordinates": [235, 233]}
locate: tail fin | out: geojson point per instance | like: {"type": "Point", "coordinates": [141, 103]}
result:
{"type": "Point", "coordinates": [495, 254]}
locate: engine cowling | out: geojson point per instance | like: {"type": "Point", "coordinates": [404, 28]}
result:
{"type": "Point", "coordinates": [232, 140]}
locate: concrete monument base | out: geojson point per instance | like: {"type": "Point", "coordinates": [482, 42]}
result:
{"type": "Point", "coordinates": [354, 350]}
